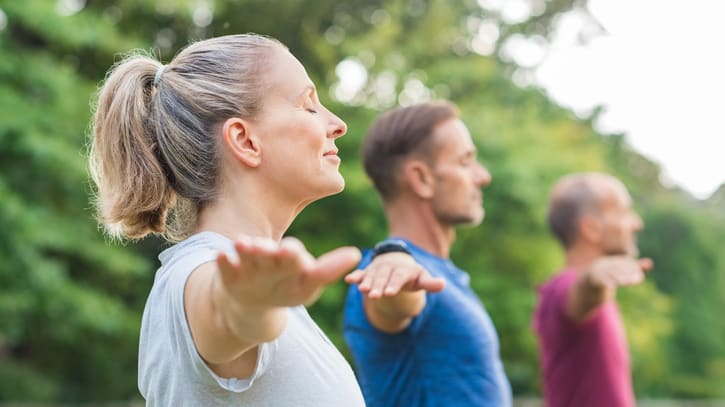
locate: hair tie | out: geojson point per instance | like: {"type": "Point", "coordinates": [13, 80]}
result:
{"type": "Point", "coordinates": [159, 72]}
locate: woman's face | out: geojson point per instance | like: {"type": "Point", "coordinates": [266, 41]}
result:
{"type": "Point", "coordinates": [297, 133]}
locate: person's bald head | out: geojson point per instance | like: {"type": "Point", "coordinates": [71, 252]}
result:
{"type": "Point", "coordinates": [577, 195]}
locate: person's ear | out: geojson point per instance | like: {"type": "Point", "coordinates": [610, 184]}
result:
{"type": "Point", "coordinates": [241, 142]}
{"type": "Point", "coordinates": [590, 228]}
{"type": "Point", "coordinates": [419, 178]}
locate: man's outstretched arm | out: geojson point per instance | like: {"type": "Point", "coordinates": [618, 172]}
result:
{"type": "Point", "coordinates": [394, 287]}
{"type": "Point", "coordinates": [599, 283]}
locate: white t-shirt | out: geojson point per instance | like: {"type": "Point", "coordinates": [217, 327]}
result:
{"type": "Point", "coordinates": [300, 368]}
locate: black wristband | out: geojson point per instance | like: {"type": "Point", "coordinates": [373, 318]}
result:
{"type": "Point", "coordinates": [390, 246]}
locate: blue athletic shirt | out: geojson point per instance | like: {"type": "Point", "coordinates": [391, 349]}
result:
{"type": "Point", "coordinates": [447, 356]}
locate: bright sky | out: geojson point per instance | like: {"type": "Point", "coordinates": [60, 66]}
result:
{"type": "Point", "coordinates": [657, 68]}
{"type": "Point", "coordinates": [659, 71]}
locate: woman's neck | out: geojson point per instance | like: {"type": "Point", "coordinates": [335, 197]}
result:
{"type": "Point", "coordinates": [247, 213]}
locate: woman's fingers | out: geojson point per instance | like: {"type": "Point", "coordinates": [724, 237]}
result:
{"type": "Point", "coordinates": [283, 273]}
{"type": "Point", "coordinates": [227, 269]}
{"type": "Point", "coordinates": [332, 265]}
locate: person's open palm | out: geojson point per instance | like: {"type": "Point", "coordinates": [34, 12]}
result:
{"type": "Point", "coordinates": [270, 274]}
{"type": "Point", "coordinates": [614, 271]}
{"type": "Point", "coordinates": [392, 273]}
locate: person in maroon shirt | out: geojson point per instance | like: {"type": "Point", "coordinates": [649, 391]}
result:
{"type": "Point", "coordinates": [584, 355]}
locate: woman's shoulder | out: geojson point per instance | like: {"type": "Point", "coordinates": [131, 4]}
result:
{"type": "Point", "coordinates": [198, 243]}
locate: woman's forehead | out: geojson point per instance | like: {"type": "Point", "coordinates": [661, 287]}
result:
{"type": "Point", "coordinates": [287, 75]}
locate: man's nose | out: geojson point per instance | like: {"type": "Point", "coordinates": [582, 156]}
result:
{"type": "Point", "coordinates": [483, 176]}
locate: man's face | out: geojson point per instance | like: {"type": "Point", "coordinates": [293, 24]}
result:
{"type": "Point", "coordinates": [620, 223]}
{"type": "Point", "coordinates": [458, 176]}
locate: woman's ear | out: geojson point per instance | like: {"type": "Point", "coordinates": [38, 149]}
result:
{"type": "Point", "coordinates": [241, 142]}
{"type": "Point", "coordinates": [417, 175]}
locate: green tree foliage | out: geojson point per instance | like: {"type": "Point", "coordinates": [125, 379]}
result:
{"type": "Point", "coordinates": [688, 250]}
{"type": "Point", "coordinates": [71, 302]}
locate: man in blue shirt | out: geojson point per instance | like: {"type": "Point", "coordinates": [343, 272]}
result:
{"type": "Point", "coordinates": [418, 333]}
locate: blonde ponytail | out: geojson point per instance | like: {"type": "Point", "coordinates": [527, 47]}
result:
{"type": "Point", "coordinates": [133, 192]}
{"type": "Point", "coordinates": [154, 153]}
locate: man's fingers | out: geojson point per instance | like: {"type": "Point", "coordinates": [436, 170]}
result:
{"type": "Point", "coordinates": [372, 275]}
{"type": "Point", "coordinates": [634, 274]}
{"type": "Point", "coordinates": [399, 278]}
{"type": "Point", "coordinates": [629, 275]}
{"type": "Point", "coordinates": [634, 277]}
{"type": "Point", "coordinates": [355, 277]}
{"type": "Point", "coordinates": [646, 264]}
{"type": "Point", "coordinates": [413, 280]}
{"type": "Point", "coordinates": [431, 284]}
{"type": "Point", "coordinates": [377, 280]}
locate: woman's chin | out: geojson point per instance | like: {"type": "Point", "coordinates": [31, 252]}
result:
{"type": "Point", "coordinates": [338, 185]}
{"type": "Point", "coordinates": [332, 186]}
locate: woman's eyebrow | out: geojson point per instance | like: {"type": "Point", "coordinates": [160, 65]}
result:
{"type": "Point", "coordinates": [309, 89]}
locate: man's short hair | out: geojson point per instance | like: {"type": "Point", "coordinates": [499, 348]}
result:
{"type": "Point", "coordinates": [397, 134]}
{"type": "Point", "coordinates": [572, 197]}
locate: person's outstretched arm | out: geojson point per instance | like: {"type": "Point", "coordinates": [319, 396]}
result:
{"type": "Point", "coordinates": [599, 283]}
{"type": "Point", "coordinates": [394, 287]}
{"type": "Point", "coordinates": [234, 304]}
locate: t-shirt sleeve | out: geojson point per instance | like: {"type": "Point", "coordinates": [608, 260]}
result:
{"type": "Point", "coordinates": [418, 321]}
{"type": "Point", "coordinates": [551, 308]}
{"type": "Point", "coordinates": [355, 317]}
{"type": "Point", "coordinates": [559, 297]}
{"type": "Point", "coordinates": [367, 258]}
{"type": "Point", "coordinates": [188, 356]}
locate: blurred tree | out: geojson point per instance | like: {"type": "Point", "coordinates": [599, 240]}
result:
{"type": "Point", "coordinates": [687, 249]}
{"type": "Point", "coordinates": [69, 302]}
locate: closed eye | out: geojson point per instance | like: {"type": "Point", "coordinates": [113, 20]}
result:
{"type": "Point", "coordinates": [310, 103]}
{"type": "Point", "coordinates": [469, 158]}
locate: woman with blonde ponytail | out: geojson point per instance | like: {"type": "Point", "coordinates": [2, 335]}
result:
{"type": "Point", "coordinates": [218, 152]}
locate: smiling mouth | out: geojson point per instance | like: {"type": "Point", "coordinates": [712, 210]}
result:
{"type": "Point", "coordinates": [331, 156]}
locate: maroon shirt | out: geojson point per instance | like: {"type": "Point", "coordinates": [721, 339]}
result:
{"type": "Point", "coordinates": [584, 363]}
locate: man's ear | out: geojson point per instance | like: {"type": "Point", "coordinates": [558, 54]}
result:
{"type": "Point", "coordinates": [418, 176]}
{"type": "Point", "coordinates": [590, 228]}
{"type": "Point", "coordinates": [241, 142]}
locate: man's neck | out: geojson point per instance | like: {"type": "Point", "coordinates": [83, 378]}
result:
{"type": "Point", "coordinates": [580, 257]}
{"type": "Point", "coordinates": [417, 224]}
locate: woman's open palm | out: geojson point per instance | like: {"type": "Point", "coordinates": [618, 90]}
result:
{"type": "Point", "coordinates": [270, 274]}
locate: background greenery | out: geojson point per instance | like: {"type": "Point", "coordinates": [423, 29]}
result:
{"type": "Point", "coordinates": [71, 302]}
